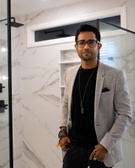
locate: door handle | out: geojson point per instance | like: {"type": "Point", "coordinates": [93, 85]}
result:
{"type": "Point", "coordinates": [3, 106]}
{"type": "Point", "coordinates": [1, 87]}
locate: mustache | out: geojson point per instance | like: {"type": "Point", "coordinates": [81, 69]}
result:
{"type": "Point", "coordinates": [86, 52]}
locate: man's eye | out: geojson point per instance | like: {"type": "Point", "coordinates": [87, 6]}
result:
{"type": "Point", "coordinates": [82, 42]}
{"type": "Point", "coordinates": [91, 42]}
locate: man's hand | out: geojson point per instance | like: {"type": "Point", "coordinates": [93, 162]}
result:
{"type": "Point", "coordinates": [98, 153]}
{"type": "Point", "coordinates": [64, 141]}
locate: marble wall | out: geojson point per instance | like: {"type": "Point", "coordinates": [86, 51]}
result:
{"type": "Point", "coordinates": [36, 91]}
{"type": "Point", "coordinates": [4, 115]}
{"type": "Point", "coordinates": [4, 111]}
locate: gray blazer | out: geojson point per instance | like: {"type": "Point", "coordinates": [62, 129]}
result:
{"type": "Point", "coordinates": [112, 108]}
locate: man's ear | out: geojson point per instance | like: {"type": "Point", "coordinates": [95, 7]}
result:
{"type": "Point", "coordinates": [99, 46]}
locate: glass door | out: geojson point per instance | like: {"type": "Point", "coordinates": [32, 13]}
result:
{"type": "Point", "coordinates": [5, 112]}
{"type": "Point", "coordinates": [118, 50]}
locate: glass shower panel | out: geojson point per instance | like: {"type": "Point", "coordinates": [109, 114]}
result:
{"type": "Point", "coordinates": [118, 50]}
{"type": "Point", "coordinates": [4, 112]}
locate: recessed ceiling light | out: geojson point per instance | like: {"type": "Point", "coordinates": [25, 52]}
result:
{"type": "Point", "coordinates": [3, 49]}
{"type": "Point", "coordinates": [4, 77]}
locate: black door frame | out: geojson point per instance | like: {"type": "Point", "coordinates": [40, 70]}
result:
{"type": "Point", "coordinates": [11, 159]}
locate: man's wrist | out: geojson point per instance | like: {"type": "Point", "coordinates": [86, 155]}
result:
{"type": "Point", "coordinates": [62, 133]}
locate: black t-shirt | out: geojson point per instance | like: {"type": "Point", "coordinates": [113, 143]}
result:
{"type": "Point", "coordinates": [82, 132]}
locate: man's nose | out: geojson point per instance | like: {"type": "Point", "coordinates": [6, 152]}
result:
{"type": "Point", "coordinates": [86, 45]}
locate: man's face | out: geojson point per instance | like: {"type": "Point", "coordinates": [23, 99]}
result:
{"type": "Point", "coordinates": [90, 50]}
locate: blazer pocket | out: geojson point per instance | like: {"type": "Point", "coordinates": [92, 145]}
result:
{"type": "Point", "coordinates": [105, 90]}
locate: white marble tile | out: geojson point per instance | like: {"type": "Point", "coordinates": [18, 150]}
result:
{"type": "Point", "coordinates": [4, 117]}
{"type": "Point", "coordinates": [16, 99]}
{"type": "Point", "coordinates": [40, 129]}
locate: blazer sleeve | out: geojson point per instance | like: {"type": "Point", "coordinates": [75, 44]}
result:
{"type": "Point", "coordinates": [64, 105]}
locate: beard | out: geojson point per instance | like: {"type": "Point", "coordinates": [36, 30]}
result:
{"type": "Point", "coordinates": [88, 56]}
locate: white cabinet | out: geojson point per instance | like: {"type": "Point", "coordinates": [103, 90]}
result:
{"type": "Point", "coordinates": [68, 58]}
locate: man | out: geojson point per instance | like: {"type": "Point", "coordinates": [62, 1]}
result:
{"type": "Point", "coordinates": [95, 109]}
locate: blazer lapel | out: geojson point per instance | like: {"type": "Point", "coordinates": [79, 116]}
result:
{"type": "Point", "coordinates": [99, 84]}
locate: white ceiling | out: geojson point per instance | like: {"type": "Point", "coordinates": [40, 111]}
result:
{"type": "Point", "coordinates": [24, 7]}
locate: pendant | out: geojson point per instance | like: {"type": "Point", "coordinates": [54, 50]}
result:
{"type": "Point", "coordinates": [82, 109]}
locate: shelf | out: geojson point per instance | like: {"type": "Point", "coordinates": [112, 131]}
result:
{"type": "Point", "coordinates": [68, 58]}
{"type": "Point", "coordinates": [68, 55]}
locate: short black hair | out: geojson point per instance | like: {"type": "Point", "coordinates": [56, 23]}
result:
{"type": "Point", "coordinates": [88, 28]}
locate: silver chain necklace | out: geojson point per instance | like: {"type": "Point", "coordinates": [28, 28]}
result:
{"type": "Point", "coordinates": [82, 97]}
